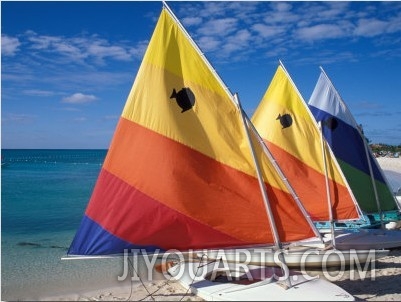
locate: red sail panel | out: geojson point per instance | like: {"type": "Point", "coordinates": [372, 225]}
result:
{"type": "Point", "coordinates": [216, 196]}
{"type": "Point", "coordinates": [314, 192]}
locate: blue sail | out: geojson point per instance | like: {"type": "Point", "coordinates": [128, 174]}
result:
{"type": "Point", "coordinates": [364, 175]}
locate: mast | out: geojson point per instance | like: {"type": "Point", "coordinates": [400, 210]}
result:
{"type": "Point", "coordinates": [367, 152]}
{"type": "Point", "coordinates": [329, 203]}
{"type": "Point", "coordinates": [372, 178]}
{"type": "Point", "coordinates": [263, 190]}
{"type": "Point", "coordinates": [285, 180]}
{"type": "Point", "coordinates": [260, 179]}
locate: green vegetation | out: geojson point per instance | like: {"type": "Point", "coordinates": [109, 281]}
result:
{"type": "Point", "coordinates": [385, 149]}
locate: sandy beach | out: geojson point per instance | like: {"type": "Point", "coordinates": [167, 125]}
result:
{"type": "Point", "coordinates": [168, 290]}
{"type": "Point", "coordinates": [381, 282]}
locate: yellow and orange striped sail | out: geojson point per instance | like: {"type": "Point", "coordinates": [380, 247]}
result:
{"type": "Point", "coordinates": [179, 172]}
{"type": "Point", "coordinates": [284, 122]}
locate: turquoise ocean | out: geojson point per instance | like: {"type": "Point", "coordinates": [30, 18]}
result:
{"type": "Point", "coordinates": [44, 194]}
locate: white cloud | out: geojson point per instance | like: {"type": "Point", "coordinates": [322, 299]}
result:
{"type": "Point", "coordinates": [395, 24]}
{"type": "Point", "coordinates": [111, 117]}
{"type": "Point", "coordinates": [214, 9]}
{"type": "Point", "coordinates": [236, 42]}
{"type": "Point", "coordinates": [101, 51]}
{"type": "Point", "coordinates": [288, 26]}
{"type": "Point", "coordinates": [333, 9]}
{"type": "Point", "coordinates": [68, 49]}
{"type": "Point", "coordinates": [242, 36]}
{"type": "Point", "coordinates": [9, 45]}
{"type": "Point", "coordinates": [370, 27]}
{"type": "Point", "coordinates": [79, 98]}
{"type": "Point", "coordinates": [281, 14]}
{"type": "Point", "coordinates": [208, 43]}
{"type": "Point", "coordinates": [220, 27]}
{"type": "Point", "coordinates": [283, 6]}
{"type": "Point", "coordinates": [267, 31]}
{"type": "Point", "coordinates": [189, 21]}
{"type": "Point", "coordinates": [319, 32]}
{"type": "Point", "coordinates": [139, 49]}
{"type": "Point", "coordinates": [41, 42]}
{"type": "Point", "coordinates": [17, 118]}
{"type": "Point", "coordinates": [79, 49]}
{"type": "Point", "coordinates": [38, 92]}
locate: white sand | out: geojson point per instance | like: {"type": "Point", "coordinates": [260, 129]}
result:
{"type": "Point", "coordinates": [390, 163]}
{"type": "Point", "coordinates": [386, 284]}
{"type": "Point", "coordinates": [382, 282]}
{"type": "Point", "coordinates": [151, 291]}
{"type": "Point", "coordinates": [392, 171]}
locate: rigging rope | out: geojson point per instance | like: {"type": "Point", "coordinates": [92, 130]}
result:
{"type": "Point", "coordinates": [171, 278]}
{"type": "Point", "coordinates": [192, 282]}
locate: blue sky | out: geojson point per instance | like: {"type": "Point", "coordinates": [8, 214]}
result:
{"type": "Point", "coordinates": [67, 67]}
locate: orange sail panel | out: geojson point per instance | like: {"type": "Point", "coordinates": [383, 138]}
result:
{"type": "Point", "coordinates": [284, 122]}
{"type": "Point", "coordinates": [179, 172]}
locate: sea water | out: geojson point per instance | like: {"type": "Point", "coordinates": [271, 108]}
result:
{"type": "Point", "coordinates": [44, 194]}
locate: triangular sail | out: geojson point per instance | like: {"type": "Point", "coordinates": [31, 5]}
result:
{"type": "Point", "coordinates": [285, 123]}
{"type": "Point", "coordinates": [350, 148]}
{"type": "Point", "coordinates": [179, 172]}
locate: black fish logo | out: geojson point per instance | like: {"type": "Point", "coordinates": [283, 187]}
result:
{"type": "Point", "coordinates": [285, 120]}
{"type": "Point", "coordinates": [185, 98]}
{"type": "Point", "coordinates": [330, 123]}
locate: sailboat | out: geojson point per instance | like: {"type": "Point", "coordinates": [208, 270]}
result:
{"type": "Point", "coordinates": [179, 172]}
{"type": "Point", "coordinates": [360, 167]}
{"type": "Point", "coordinates": [229, 283]}
{"type": "Point", "coordinates": [184, 172]}
{"type": "Point", "coordinates": [290, 131]}
{"type": "Point", "coordinates": [367, 180]}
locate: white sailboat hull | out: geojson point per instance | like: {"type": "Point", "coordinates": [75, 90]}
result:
{"type": "Point", "coordinates": [297, 256]}
{"type": "Point", "coordinates": [368, 239]}
{"type": "Point", "coordinates": [253, 283]}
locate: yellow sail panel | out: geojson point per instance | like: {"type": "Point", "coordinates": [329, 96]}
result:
{"type": "Point", "coordinates": [281, 109]}
{"type": "Point", "coordinates": [283, 119]}
{"type": "Point", "coordinates": [284, 122]}
{"type": "Point", "coordinates": [186, 102]}
{"type": "Point", "coordinates": [180, 57]}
